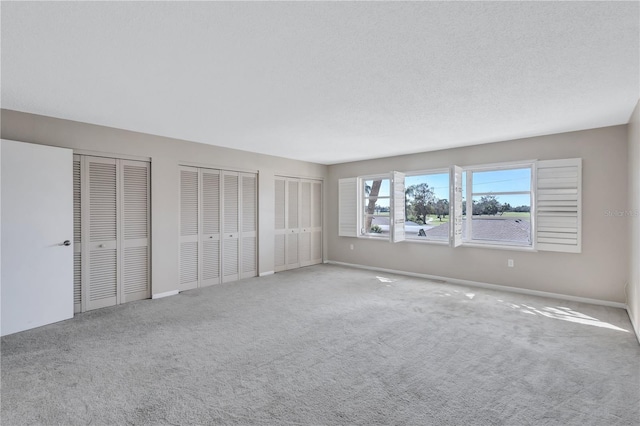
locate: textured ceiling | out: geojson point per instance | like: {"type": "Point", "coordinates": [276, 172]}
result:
{"type": "Point", "coordinates": [325, 82]}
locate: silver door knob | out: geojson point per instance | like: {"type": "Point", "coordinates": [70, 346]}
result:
{"type": "Point", "coordinates": [65, 243]}
{"type": "Point", "coordinates": [101, 246]}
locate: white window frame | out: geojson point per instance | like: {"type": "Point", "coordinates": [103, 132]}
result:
{"type": "Point", "coordinates": [467, 241]}
{"type": "Point", "coordinates": [361, 206]}
{"type": "Point", "coordinates": [438, 171]}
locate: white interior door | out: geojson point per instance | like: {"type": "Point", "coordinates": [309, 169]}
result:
{"type": "Point", "coordinates": [37, 221]}
{"type": "Point", "coordinates": [316, 222]}
{"type": "Point", "coordinates": [249, 219]}
{"type": "Point", "coordinates": [293, 223]}
{"type": "Point", "coordinates": [304, 237]}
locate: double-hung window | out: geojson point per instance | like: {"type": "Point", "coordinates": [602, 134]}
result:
{"type": "Point", "coordinates": [375, 219]}
{"type": "Point", "coordinates": [426, 206]}
{"type": "Point", "coordinates": [497, 205]}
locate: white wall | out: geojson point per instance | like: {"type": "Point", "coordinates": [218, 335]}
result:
{"type": "Point", "coordinates": [633, 300]}
{"type": "Point", "coordinates": [166, 154]}
{"type": "Point", "coordinates": [599, 272]}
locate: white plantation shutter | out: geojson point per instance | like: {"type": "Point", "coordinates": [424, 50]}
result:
{"type": "Point", "coordinates": [559, 205]}
{"type": "Point", "coordinates": [348, 207]}
{"type": "Point", "coordinates": [189, 220]}
{"type": "Point", "coordinates": [230, 241]}
{"type": "Point", "coordinates": [455, 206]}
{"type": "Point", "coordinates": [102, 217]}
{"type": "Point", "coordinates": [280, 259]}
{"type": "Point", "coordinates": [210, 228]}
{"type": "Point", "coordinates": [136, 230]}
{"type": "Point", "coordinates": [249, 209]}
{"type": "Point", "coordinates": [397, 230]}
{"type": "Point", "coordinates": [77, 234]}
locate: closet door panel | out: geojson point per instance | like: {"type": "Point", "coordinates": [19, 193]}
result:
{"type": "Point", "coordinates": [135, 230]}
{"type": "Point", "coordinates": [293, 223]}
{"type": "Point", "coordinates": [249, 220]}
{"type": "Point", "coordinates": [77, 234]}
{"type": "Point", "coordinates": [280, 250]}
{"type": "Point", "coordinates": [316, 222]}
{"type": "Point", "coordinates": [304, 239]}
{"type": "Point", "coordinates": [101, 220]}
{"type": "Point", "coordinates": [230, 239]}
{"type": "Point", "coordinates": [189, 225]}
{"type": "Point", "coordinates": [210, 228]}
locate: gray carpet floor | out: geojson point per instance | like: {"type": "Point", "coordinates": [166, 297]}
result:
{"type": "Point", "coordinates": [328, 345]}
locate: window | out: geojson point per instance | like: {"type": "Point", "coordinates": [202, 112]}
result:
{"type": "Point", "coordinates": [498, 201]}
{"type": "Point", "coordinates": [427, 206]}
{"type": "Point", "coordinates": [376, 206]}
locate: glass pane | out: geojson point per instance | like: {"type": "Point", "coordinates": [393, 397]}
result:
{"type": "Point", "coordinates": [376, 206]}
{"type": "Point", "coordinates": [376, 225]}
{"type": "Point", "coordinates": [427, 207]}
{"type": "Point", "coordinates": [514, 180]}
{"type": "Point", "coordinates": [505, 218]}
{"type": "Point", "coordinates": [376, 188]}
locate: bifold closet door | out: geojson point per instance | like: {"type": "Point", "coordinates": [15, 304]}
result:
{"type": "Point", "coordinates": [100, 232]}
{"type": "Point", "coordinates": [293, 223]}
{"type": "Point", "coordinates": [210, 227]}
{"type": "Point", "coordinates": [316, 222]}
{"type": "Point", "coordinates": [249, 225]}
{"type": "Point", "coordinates": [189, 227]}
{"type": "Point", "coordinates": [298, 223]}
{"type": "Point", "coordinates": [280, 245]}
{"type": "Point", "coordinates": [218, 224]}
{"type": "Point", "coordinates": [135, 231]}
{"type": "Point", "coordinates": [112, 227]}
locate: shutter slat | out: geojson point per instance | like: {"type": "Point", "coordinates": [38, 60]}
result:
{"type": "Point", "coordinates": [230, 266]}
{"type": "Point", "coordinates": [292, 187]}
{"type": "Point", "coordinates": [280, 250]}
{"type": "Point", "coordinates": [102, 276]}
{"type": "Point", "coordinates": [292, 250]}
{"type": "Point", "coordinates": [136, 201]}
{"type": "Point", "coordinates": [305, 205]}
{"type": "Point", "coordinates": [305, 246]}
{"type": "Point", "coordinates": [135, 270]}
{"type": "Point", "coordinates": [317, 204]}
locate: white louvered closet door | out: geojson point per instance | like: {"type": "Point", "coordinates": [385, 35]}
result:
{"type": "Point", "coordinates": [210, 228]}
{"type": "Point", "coordinates": [249, 225]}
{"type": "Point", "coordinates": [304, 237]}
{"type": "Point", "coordinates": [77, 234]}
{"type": "Point", "coordinates": [316, 222]}
{"type": "Point", "coordinates": [134, 231]}
{"type": "Point", "coordinates": [99, 223]}
{"type": "Point", "coordinates": [280, 245]}
{"type": "Point", "coordinates": [231, 222]}
{"type": "Point", "coordinates": [189, 226]}
{"type": "Point", "coordinates": [293, 223]}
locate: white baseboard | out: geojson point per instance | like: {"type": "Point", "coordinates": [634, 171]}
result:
{"type": "Point", "coordinates": [633, 324]}
{"type": "Point", "coordinates": [165, 294]}
{"type": "Point", "coordinates": [488, 286]}
{"type": "Point", "coordinates": [266, 274]}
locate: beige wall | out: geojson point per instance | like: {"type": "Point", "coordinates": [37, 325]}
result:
{"type": "Point", "coordinates": [599, 272]}
{"type": "Point", "coordinates": [633, 300]}
{"type": "Point", "coordinates": [166, 154]}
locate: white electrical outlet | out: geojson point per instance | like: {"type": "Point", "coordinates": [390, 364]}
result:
{"type": "Point", "coordinates": [510, 263]}
{"type": "Point", "coordinates": [351, 247]}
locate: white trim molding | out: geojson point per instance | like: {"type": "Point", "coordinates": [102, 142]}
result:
{"type": "Point", "coordinates": [633, 324]}
{"type": "Point", "coordinates": [487, 285]}
{"type": "Point", "coordinates": [266, 274]}
{"type": "Point", "coordinates": [165, 294]}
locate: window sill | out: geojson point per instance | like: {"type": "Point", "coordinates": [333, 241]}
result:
{"type": "Point", "coordinates": [509, 247]}
{"type": "Point", "coordinates": [429, 242]}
